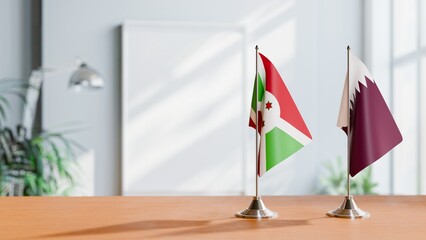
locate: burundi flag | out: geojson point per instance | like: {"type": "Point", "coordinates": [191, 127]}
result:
{"type": "Point", "coordinates": [373, 131]}
{"type": "Point", "coordinates": [281, 127]}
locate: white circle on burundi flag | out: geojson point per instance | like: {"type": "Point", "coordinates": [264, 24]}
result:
{"type": "Point", "coordinates": [271, 111]}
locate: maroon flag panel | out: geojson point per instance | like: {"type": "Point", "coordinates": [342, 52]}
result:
{"type": "Point", "coordinates": [373, 130]}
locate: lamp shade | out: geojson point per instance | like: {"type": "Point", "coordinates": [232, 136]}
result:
{"type": "Point", "coordinates": [87, 78]}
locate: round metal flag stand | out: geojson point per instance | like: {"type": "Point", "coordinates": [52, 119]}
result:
{"type": "Point", "coordinates": [348, 209]}
{"type": "Point", "coordinates": [257, 209]}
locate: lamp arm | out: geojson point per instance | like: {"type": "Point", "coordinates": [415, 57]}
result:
{"type": "Point", "coordinates": [33, 93]}
{"type": "Point", "coordinates": [32, 98]}
{"type": "Point", "coordinates": [56, 70]}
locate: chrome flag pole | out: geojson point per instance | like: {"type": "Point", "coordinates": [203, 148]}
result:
{"type": "Point", "coordinates": [257, 208]}
{"type": "Point", "coordinates": [257, 126]}
{"type": "Point", "coordinates": [348, 208]}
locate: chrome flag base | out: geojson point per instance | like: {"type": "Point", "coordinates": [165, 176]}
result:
{"type": "Point", "coordinates": [257, 209]}
{"type": "Point", "coordinates": [348, 209]}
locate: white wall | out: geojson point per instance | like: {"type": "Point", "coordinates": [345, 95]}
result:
{"type": "Point", "coordinates": [378, 58]}
{"type": "Point", "coordinates": [340, 24]}
{"type": "Point", "coordinates": [15, 47]}
{"type": "Point", "coordinates": [309, 51]}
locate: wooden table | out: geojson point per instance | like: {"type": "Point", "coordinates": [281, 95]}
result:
{"type": "Point", "coordinates": [301, 217]}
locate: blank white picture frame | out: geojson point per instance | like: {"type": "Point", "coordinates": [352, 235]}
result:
{"type": "Point", "coordinates": [183, 109]}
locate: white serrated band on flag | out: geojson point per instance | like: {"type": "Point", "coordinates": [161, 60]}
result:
{"type": "Point", "coordinates": [342, 119]}
{"type": "Point", "coordinates": [357, 73]}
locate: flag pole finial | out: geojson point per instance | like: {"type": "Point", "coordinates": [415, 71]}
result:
{"type": "Point", "coordinates": [257, 47]}
{"type": "Point", "coordinates": [348, 48]}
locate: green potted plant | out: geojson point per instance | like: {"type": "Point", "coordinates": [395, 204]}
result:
{"type": "Point", "coordinates": [333, 181]}
{"type": "Point", "coordinates": [31, 166]}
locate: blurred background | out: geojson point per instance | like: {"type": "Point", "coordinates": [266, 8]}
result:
{"type": "Point", "coordinates": [169, 115]}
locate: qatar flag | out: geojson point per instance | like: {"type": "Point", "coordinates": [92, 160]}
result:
{"type": "Point", "coordinates": [372, 130]}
